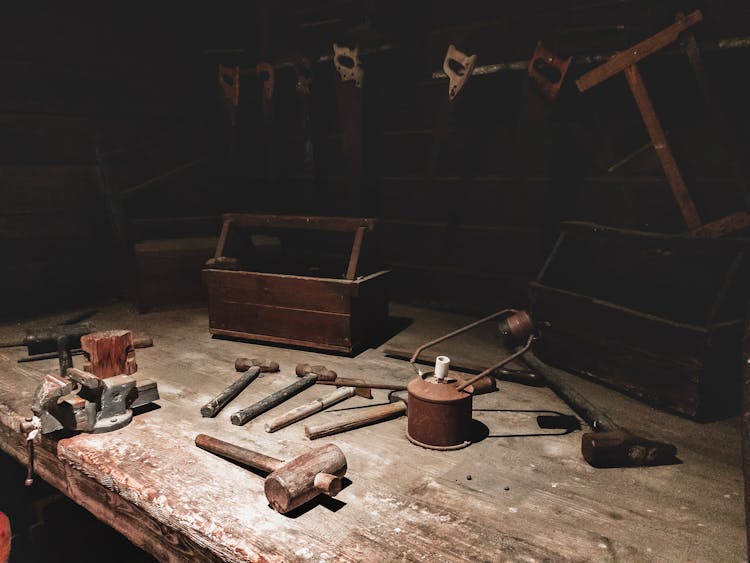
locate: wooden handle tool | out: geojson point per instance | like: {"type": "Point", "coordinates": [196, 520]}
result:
{"type": "Point", "coordinates": [309, 409]}
{"type": "Point", "coordinates": [212, 408]}
{"type": "Point", "coordinates": [360, 418]}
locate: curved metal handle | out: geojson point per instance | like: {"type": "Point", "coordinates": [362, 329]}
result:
{"type": "Point", "coordinates": [423, 347]}
{"type": "Point", "coordinates": [490, 369]}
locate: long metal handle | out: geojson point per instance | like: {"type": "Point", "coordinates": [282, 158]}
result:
{"type": "Point", "coordinates": [490, 369]}
{"type": "Point", "coordinates": [424, 347]}
{"type": "Point", "coordinates": [237, 453]}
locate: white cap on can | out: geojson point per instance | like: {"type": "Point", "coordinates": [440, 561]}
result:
{"type": "Point", "coordinates": [442, 365]}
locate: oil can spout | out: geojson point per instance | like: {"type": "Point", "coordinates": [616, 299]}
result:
{"type": "Point", "coordinates": [442, 366]}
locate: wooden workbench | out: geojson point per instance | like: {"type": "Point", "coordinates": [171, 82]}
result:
{"type": "Point", "coordinates": [520, 494]}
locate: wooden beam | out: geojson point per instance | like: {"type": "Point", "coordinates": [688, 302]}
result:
{"type": "Point", "coordinates": [341, 224]}
{"type": "Point", "coordinates": [637, 52]}
{"type": "Point", "coordinates": [658, 137]}
{"type": "Point", "coordinates": [351, 271]}
{"type": "Point", "coordinates": [729, 224]}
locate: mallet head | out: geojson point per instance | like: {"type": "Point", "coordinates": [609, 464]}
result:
{"type": "Point", "coordinates": [319, 471]}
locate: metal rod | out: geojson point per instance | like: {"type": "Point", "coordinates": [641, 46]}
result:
{"type": "Point", "coordinates": [490, 369]}
{"type": "Point", "coordinates": [711, 45]}
{"type": "Point", "coordinates": [423, 347]}
{"type": "Point", "coordinates": [349, 382]}
{"type": "Point", "coordinates": [624, 160]}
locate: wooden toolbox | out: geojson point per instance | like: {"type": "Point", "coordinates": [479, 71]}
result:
{"type": "Point", "coordinates": [307, 281]}
{"type": "Point", "coordinates": [658, 316]}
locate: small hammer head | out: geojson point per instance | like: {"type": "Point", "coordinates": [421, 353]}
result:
{"type": "Point", "coordinates": [244, 364]}
{"type": "Point", "coordinates": [620, 448]}
{"type": "Point", "coordinates": [319, 471]}
{"type": "Point", "coordinates": [323, 373]}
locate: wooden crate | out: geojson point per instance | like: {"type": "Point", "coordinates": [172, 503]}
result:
{"type": "Point", "coordinates": [305, 281]}
{"type": "Point", "coordinates": [657, 316]}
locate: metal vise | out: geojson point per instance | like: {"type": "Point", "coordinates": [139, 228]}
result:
{"type": "Point", "coordinates": [84, 402]}
{"type": "Point", "coordinates": [102, 397]}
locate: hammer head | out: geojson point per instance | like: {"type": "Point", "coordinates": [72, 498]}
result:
{"type": "Point", "coordinates": [620, 448]}
{"type": "Point", "coordinates": [244, 364]}
{"type": "Point", "coordinates": [319, 471]}
{"type": "Point", "coordinates": [323, 373]}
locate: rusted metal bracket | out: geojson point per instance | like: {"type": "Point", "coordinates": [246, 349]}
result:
{"type": "Point", "coordinates": [348, 64]}
{"type": "Point", "coordinates": [547, 71]}
{"type": "Point", "coordinates": [458, 66]}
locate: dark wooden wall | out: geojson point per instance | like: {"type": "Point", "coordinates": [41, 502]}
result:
{"type": "Point", "coordinates": [92, 103]}
{"type": "Point", "coordinates": [132, 92]}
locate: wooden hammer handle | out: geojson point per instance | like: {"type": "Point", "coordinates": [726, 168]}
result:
{"type": "Point", "coordinates": [243, 416]}
{"type": "Point", "coordinates": [237, 453]}
{"type": "Point", "coordinates": [309, 409]}
{"type": "Point", "coordinates": [212, 408]}
{"type": "Point", "coordinates": [364, 417]}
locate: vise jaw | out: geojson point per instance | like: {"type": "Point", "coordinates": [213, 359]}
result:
{"type": "Point", "coordinates": [83, 402]}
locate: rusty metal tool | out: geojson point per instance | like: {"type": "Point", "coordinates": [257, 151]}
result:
{"type": "Point", "coordinates": [441, 404]}
{"type": "Point", "coordinates": [44, 340]}
{"type": "Point", "coordinates": [290, 484]}
{"type": "Point", "coordinates": [245, 415]}
{"type": "Point", "coordinates": [362, 384]}
{"type": "Point", "coordinates": [329, 377]}
{"type": "Point", "coordinates": [317, 405]}
{"type": "Point", "coordinates": [323, 373]}
{"type": "Point", "coordinates": [138, 342]}
{"type": "Point", "coordinates": [363, 417]}
{"type": "Point", "coordinates": [212, 408]}
{"type": "Point", "coordinates": [609, 445]}
{"type": "Point", "coordinates": [265, 365]}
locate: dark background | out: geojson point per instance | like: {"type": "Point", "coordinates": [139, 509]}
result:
{"type": "Point", "coordinates": [129, 90]}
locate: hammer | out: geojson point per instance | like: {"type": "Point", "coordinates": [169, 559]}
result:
{"type": "Point", "coordinates": [248, 413]}
{"type": "Point", "coordinates": [252, 368]}
{"type": "Point", "coordinates": [323, 373]}
{"type": "Point", "coordinates": [609, 445]}
{"type": "Point", "coordinates": [266, 366]}
{"type": "Point", "coordinates": [330, 377]}
{"type": "Point", "coordinates": [317, 405]}
{"type": "Point", "coordinates": [363, 417]}
{"type": "Point", "coordinates": [289, 484]}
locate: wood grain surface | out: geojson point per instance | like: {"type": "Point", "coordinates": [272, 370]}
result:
{"type": "Point", "coordinates": [520, 493]}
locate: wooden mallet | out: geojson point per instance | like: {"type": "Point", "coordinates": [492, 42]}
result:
{"type": "Point", "coordinates": [290, 484]}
